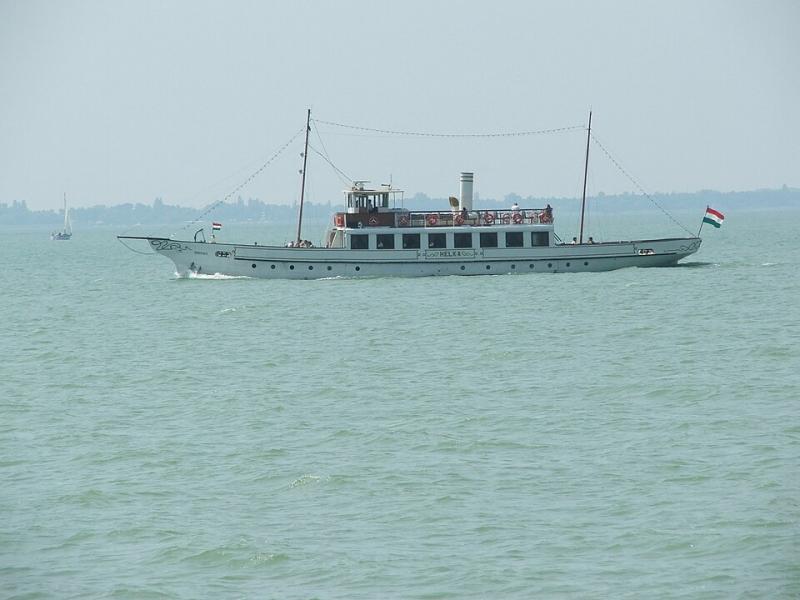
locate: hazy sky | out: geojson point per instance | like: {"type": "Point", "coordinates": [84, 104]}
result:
{"type": "Point", "coordinates": [125, 101]}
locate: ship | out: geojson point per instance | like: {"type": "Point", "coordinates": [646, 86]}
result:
{"type": "Point", "coordinates": [376, 236]}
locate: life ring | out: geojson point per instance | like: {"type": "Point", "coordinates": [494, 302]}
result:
{"type": "Point", "coordinates": [506, 219]}
{"type": "Point", "coordinates": [403, 221]}
{"type": "Point", "coordinates": [373, 221]}
{"type": "Point", "coordinates": [432, 220]}
{"type": "Point", "coordinates": [488, 218]}
{"type": "Point", "coordinates": [517, 218]}
{"type": "Point", "coordinates": [543, 218]}
{"type": "Point", "coordinates": [459, 220]}
{"type": "Point", "coordinates": [338, 220]}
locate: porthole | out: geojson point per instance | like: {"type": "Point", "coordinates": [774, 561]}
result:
{"type": "Point", "coordinates": [463, 267]}
{"type": "Point", "coordinates": [585, 263]}
{"type": "Point", "coordinates": [530, 265]}
{"type": "Point", "coordinates": [291, 267]}
{"type": "Point", "coordinates": [358, 268]}
{"type": "Point", "coordinates": [253, 265]}
{"type": "Point", "coordinates": [567, 264]}
{"type": "Point", "coordinates": [310, 267]}
{"type": "Point", "coordinates": [488, 267]}
{"type": "Point", "coordinates": [513, 267]}
{"type": "Point", "coordinates": [272, 266]}
{"type": "Point", "coordinates": [329, 267]}
{"type": "Point", "coordinates": [549, 265]}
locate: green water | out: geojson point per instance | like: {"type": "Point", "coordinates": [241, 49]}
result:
{"type": "Point", "coordinates": [626, 434]}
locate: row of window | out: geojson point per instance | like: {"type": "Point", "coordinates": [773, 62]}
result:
{"type": "Point", "coordinates": [412, 241]}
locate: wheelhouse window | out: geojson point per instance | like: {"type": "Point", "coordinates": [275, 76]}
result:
{"type": "Point", "coordinates": [514, 239]}
{"type": "Point", "coordinates": [410, 240]}
{"type": "Point", "coordinates": [489, 239]}
{"type": "Point", "coordinates": [384, 241]}
{"type": "Point", "coordinates": [540, 238]}
{"type": "Point", "coordinates": [359, 241]}
{"type": "Point", "coordinates": [437, 240]}
{"type": "Point", "coordinates": [462, 240]}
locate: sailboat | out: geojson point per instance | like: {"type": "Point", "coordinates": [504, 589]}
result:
{"type": "Point", "coordinates": [65, 233]}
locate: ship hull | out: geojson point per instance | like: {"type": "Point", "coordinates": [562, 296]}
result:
{"type": "Point", "coordinates": [271, 262]}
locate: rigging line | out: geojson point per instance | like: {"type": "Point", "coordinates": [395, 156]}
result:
{"type": "Point", "coordinates": [327, 157]}
{"type": "Point", "coordinates": [216, 204]}
{"type": "Point", "coordinates": [455, 135]}
{"type": "Point", "coordinates": [344, 176]}
{"type": "Point", "coordinates": [135, 250]}
{"type": "Point", "coordinates": [639, 187]}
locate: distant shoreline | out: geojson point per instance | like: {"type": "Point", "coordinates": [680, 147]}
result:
{"type": "Point", "coordinates": [254, 211]}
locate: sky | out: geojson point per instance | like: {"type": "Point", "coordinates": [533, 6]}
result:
{"type": "Point", "coordinates": [126, 101]}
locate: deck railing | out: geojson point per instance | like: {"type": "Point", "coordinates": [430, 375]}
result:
{"type": "Point", "coordinates": [476, 218]}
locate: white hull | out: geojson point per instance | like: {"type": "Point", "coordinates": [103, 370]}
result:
{"type": "Point", "coordinates": [271, 262]}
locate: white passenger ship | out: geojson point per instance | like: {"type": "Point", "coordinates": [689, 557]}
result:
{"type": "Point", "coordinates": [374, 237]}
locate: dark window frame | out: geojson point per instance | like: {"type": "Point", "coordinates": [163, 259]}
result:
{"type": "Point", "coordinates": [488, 239]}
{"type": "Point", "coordinates": [359, 237]}
{"type": "Point", "coordinates": [460, 240]}
{"type": "Point", "coordinates": [415, 241]}
{"type": "Point", "coordinates": [384, 241]}
{"type": "Point", "coordinates": [437, 241]}
{"type": "Point", "coordinates": [540, 236]}
{"type": "Point", "coordinates": [517, 236]}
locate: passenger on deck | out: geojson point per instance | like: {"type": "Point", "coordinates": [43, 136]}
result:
{"type": "Point", "coordinates": [591, 240]}
{"type": "Point", "coordinates": [574, 240]}
{"type": "Point", "coordinates": [515, 207]}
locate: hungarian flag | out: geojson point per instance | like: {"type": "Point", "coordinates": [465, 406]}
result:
{"type": "Point", "coordinates": [217, 226]}
{"type": "Point", "coordinates": [713, 217]}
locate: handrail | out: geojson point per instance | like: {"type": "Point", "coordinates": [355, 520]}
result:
{"type": "Point", "coordinates": [477, 218]}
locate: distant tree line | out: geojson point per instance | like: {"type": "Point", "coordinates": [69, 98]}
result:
{"type": "Point", "coordinates": [254, 210]}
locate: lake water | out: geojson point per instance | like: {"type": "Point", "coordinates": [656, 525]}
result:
{"type": "Point", "coordinates": [626, 434]}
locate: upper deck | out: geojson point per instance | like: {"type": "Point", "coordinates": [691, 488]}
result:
{"type": "Point", "coordinates": [378, 207]}
{"type": "Point", "coordinates": [428, 218]}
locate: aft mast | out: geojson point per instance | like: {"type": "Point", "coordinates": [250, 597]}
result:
{"type": "Point", "coordinates": [303, 184]}
{"type": "Point", "coordinates": [585, 174]}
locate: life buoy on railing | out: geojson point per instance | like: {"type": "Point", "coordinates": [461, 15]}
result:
{"type": "Point", "coordinates": [338, 220]}
{"type": "Point", "coordinates": [488, 218]}
{"type": "Point", "coordinates": [373, 221]}
{"type": "Point", "coordinates": [432, 220]}
{"type": "Point", "coordinates": [403, 221]}
{"type": "Point", "coordinates": [459, 220]}
{"type": "Point", "coordinates": [517, 218]}
{"type": "Point", "coordinates": [544, 218]}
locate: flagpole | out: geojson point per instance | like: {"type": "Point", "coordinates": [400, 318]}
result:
{"type": "Point", "coordinates": [702, 222]}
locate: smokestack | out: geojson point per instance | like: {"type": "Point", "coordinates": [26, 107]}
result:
{"type": "Point", "coordinates": [466, 190]}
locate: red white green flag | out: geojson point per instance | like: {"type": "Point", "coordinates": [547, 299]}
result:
{"type": "Point", "coordinates": [713, 217]}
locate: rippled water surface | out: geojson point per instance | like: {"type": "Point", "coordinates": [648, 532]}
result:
{"type": "Point", "coordinates": [625, 434]}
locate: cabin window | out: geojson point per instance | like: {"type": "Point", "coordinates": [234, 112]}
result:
{"type": "Point", "coordinates": [437, 240]}
{"type": "Point", "coordinates": [489, 239]}
{"type": "Point", "coordinates": [513, 239]}
{"type": "Point", "coordinates": [462, 240]}
{"type": "Point", "coordinates": [410, 240]}
{"type": "Point", "coordinates": [359, 241]}
{"type": "Point", "coordinates": [540, 238]}
{"type": "Point", "coordinates": [384, 241]}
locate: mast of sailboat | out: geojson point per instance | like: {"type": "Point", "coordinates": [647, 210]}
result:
{"type": "Point", "coordinates": [66, 215]}
{"type": "Point", "coordinates": [303, 184]}
{"type": "Point", "coordinates": [585, 175]}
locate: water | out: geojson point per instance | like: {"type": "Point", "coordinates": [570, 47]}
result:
{"type": "Point", "coordinates": [627, 434]}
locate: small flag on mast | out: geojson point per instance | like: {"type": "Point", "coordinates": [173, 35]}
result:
{"type": "Point", "coordinates": [217, 226]}
{"type": "Point", "coordinates": [713, 217]}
